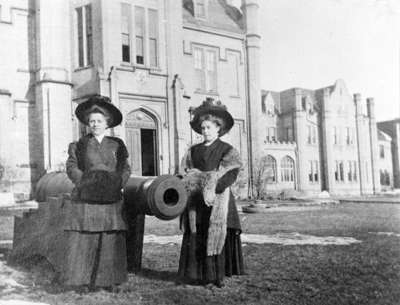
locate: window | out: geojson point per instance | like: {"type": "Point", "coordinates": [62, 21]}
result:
{"type": "Point", "coordinates": [382, 151]}
{"type": "Point", "coordinates": [309, 134]}
{"type": "Point", "coordinates": [271, 134]}
{"type": "Point", "coordinates": [384, 177]}
{"type": "Point", "coordinates": [314, 135]}
{"type": "Point", "coordinates": [153, 37]}
{"type": "Point", "coordinates": [139, 26]}
{"type": "Point", "coordinates": [85, 35]}
{"type": "Point", "coordinates": [287, 169]}
{"type": "Point", "coordinates": [355, 177]}
{"type": "Point", "coordinates": [339, 171]}
{"type": "Point", "coordinates": [205, 66]}
{"type": "Point", "coordinates": [233, 66]}
{"type": "Point", "coordinates": [313, 171]}
{"type": "Point", "coordinates": [198, 66]}
{"type": "Point", "coordinates": [335, 135]}
{"type": "Point", "coordinates": [143, 48]}
{"type": "Point", "coordinates": [270, 169]}
{"type": "Point", "coordinates": [289, 134]}
{"type": "Point", "coordinates": [352, 136]}
{"type": "Point", "coordinates": [125, 31]}
{"type": "Point", "coordinates": [348, 136]}
{"type": "Point", "coordinates": [211, 76]}
{"type": "Point", "coordinates": [316, 167]}
{"type": "Point", "coordinates": [200, 8]}
{"type": "Point", "coordinates": [366, 171]}
{"type": "Point", "coordinates": [349, 171]}
{"type": "Point", "coordinates": [336, 171]}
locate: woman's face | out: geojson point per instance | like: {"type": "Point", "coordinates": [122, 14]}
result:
{"type": "Point", "coordinates": [209, 130]}
{"type": "Point", "coordinates": [97, 123]}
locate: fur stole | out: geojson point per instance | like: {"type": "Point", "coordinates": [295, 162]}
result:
{"type": "Point", "coordinates": [195, 182]}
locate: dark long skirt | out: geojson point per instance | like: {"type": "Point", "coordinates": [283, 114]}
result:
{"type": "Point", "coordinates": [96, 259]}
{"type": "Point", "coordinates": [196, 267]}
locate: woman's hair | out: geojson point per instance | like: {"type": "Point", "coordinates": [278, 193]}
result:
{"type": "Point", "coordinates": [97, 109]}
{"type": "Point", "coordinates": [216, 120]}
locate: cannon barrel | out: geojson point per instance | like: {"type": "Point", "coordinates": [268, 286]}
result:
{"type": "Point", "coordinates": [163, 196]}
{"type": "Point", "coordinates": [40, 232]}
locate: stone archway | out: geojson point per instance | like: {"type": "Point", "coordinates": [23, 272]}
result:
{"type": "Point", "coordinates": [141, 138]}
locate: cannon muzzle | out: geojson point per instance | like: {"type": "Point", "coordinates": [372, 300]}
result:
{"type": "Point", "coordinates": [163, 196]}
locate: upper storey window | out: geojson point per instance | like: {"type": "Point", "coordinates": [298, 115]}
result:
{"type": "Point", "coordinates": [382, 151]}
{"type": "Point", "coordinates": [200, 8]}
{"type": "Point", "coordinates": [205, 65]}
{"type": "Point", "coordinates": [140, 40]}
{"type": "Point", "coordinates": [153, 38]}
{"type": "Point", "coordinates": [126, 32]}
{"type": "Point", "coordinates": [140, 43]}
{"type": "Point", "coordinates": [84, 35]}
{"type": "Point", "coordinates": [233, 66]}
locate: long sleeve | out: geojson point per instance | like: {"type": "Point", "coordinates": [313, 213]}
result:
{"type": "Point", "coordinates": [231, 162]}
{"type": "Point", "coordinates": [73, 171]}
{"type": "Point", "coordinates": [123, 167]}
{"type": "Point", "coordinates": [226, 180]}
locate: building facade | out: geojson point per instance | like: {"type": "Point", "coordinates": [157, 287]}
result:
{"type": "Point", "coordinates": [391, 153]}
{"type": "Point", "coordinates": [157, 60]}
{"type": "Point", "coordinates": [385, 161]}
{"type": "Point", "coordinates": [324, 139]}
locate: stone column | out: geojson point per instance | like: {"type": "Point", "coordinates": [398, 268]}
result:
{"type": "Point", "coordinates": [53, 86]}
{"type": "Point", "coordinates": [374, 145]}
{"type": "Point", "coordinates": [361, 143]}
{"type": "Point", "coordinates": [396, 154]}
{"type": "Point", "coordinates": [300, 130]}
{"type": "Point", "coordinates": [328, 161]}
{"type": "Point", "coordinates": [176, 105]}
{"type": "Point", "coordinates": [250, 10]}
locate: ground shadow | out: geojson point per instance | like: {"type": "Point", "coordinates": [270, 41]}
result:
{"type": "Point", "coordinates": [167, 276]}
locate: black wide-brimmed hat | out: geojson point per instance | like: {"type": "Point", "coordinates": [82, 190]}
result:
{"type": "Point", "coordinates": [215, 108]}
{"type": "Point", "coordinates": [105, 105]}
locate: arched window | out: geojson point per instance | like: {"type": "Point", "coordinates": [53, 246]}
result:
{"type": "Point", "coordinates": [287, 169]}
{"type": "Point", "coordinates": [270, 165]}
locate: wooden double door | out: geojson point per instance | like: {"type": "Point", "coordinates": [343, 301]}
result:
{"type": "Point", "coordinates": [141, 138]}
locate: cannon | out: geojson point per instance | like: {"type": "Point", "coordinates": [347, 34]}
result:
{"type": "Point", "coordinates": [39, 232]}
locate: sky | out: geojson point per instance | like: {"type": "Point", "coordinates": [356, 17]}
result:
{"type": "Point", "coordinates": [312, 43]}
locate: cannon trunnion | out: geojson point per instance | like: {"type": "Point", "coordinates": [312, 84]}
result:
{"type": "Point", "coordinates": [40, 231]}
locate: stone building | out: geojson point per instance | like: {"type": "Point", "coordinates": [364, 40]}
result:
{"type": "Point", "coordinates": [157, 59]}
{"type": "Point", "coordinates": [324, 139]}
{"type": "Point", "coordinates": [385, 160]}
{"type": "Point", "coordinates": [391, 153]}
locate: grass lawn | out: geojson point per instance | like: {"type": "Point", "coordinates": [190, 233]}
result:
{"type": "Point", "coordinates": [360, 273]}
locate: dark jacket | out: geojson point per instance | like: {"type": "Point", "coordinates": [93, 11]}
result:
{"type": "Point", "coordinates": [99, 170]}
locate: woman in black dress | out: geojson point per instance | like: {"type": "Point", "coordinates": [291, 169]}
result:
{"type": "Point", "coordinates": [211, 246]}
{"type": "Point", "coordinates": [98, 166]}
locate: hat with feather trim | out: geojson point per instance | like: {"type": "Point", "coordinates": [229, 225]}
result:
{"type": "Point", "coordinates": [99, 102]}
{"type": "Point", "coordinates": [215, 108]}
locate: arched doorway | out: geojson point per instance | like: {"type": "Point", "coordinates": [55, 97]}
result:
{"type": "Point", "coordinates": [141, 138]}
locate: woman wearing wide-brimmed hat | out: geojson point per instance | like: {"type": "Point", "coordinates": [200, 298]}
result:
{"type": "Point", "coordinates": [98, 166]}
{"type": "Point", "coordinates": [211, 246]}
